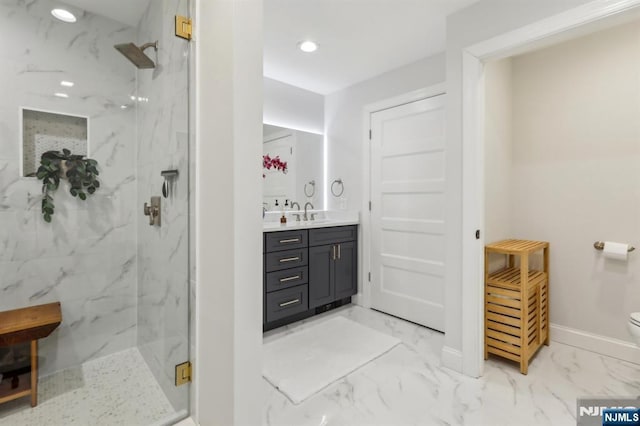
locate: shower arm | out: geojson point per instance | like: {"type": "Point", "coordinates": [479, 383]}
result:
{"type": "Point", "coordinates": [148, 45]}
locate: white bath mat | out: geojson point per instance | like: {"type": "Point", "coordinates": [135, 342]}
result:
{"type": "Point", "coordinates": [304, 362]}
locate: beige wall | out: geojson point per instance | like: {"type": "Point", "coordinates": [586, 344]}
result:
{"type": "Point", "coordinates": [498, 150]}
{"type": "Point", "coordinates": [574, 172]}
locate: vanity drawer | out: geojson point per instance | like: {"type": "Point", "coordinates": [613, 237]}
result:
{"type": "Point", "coordinates": [338, 234]}
{"type": "Point", "coordinates": [286, 259]}
{"type": "Point", "coordinates": [283, 303]}
{"type": "Point", "coordinates": [288, 278]}
{"type": "Point", "coordinates": [285, 240]}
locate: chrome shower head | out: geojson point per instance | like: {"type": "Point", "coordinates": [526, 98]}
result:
{"type": "Point", "coordinates": [136, 54]}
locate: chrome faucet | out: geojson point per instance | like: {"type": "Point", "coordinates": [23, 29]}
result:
{"type": "Point", "coordinates": [297, 215]}
{"type": "Point", "coordinates": [307, 204]}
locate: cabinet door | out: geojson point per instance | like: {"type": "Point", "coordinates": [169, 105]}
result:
{"type": "Point", "coordinates": [346, 270]}
{"type": "Point", "coordinates": [321, 271]}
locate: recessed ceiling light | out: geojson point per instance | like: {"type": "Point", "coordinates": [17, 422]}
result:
{"type": "Point", "coordinates": [61, 95]}
{"type": "Point", "coordinates": [64, 15]}
{"type": "Point", "coordinates": [67, 83]}
{"type": "Point", "coordinates": [123, 107]}
{"type": "Point", "coordinates": [308, 46]}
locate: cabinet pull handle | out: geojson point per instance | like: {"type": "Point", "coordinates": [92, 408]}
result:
{"type": "Point", "coordinates": [291, 302]}
{"type": "Point", "coordinates": [334, 253]}
{"type": "Point", "coordinates": [339, 250]}
{"type": "Point", "coordinates": [284, 280]}
{"type": "Point", "coordinates": [291, 240]}
{"type": "Point", "coordinates": [289, 259]}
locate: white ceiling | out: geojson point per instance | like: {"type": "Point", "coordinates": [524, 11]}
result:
{"type": "Point", "coordinates": [126, 11]}
{"type": "Point", "coordinates": [358, 39]}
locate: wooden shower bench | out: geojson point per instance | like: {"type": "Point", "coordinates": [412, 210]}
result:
{"type": "Point", "coordinates": [27, 325]}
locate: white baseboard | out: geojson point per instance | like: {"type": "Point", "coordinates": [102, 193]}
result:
{"type": "Point", "coordinates": [452, 359]}
{"type": "Point", "coordinates": [614, 348]}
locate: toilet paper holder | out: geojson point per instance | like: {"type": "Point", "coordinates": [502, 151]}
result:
{"type": "Point", "coordinates": [599, 245]}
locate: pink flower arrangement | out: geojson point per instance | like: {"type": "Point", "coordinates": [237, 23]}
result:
{"type": "Point", "coordinates": [273, 163]}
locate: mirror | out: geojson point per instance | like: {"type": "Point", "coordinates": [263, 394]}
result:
{"type": "Point", "coordinates": [303, 181]}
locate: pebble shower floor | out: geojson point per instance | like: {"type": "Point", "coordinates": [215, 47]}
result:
{"type": "Point", "coordinates": [118, 389]}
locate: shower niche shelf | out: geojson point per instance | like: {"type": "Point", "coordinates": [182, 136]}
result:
{"type": "Point", "coordinates": [44, 131]}
{"type": "Point", "coordinates": [516, 313]}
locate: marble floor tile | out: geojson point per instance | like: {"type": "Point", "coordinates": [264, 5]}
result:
{"type": "Point", "coordinates": [408, 386]}
{"type": "Point", "coordinates": [117, 389]}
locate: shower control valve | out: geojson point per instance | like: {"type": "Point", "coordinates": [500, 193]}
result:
{"type": "Point", "coordinates": [153, 211]}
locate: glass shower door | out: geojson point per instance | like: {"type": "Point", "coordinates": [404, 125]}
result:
{"type": "Point", "coordinates": [163, 171]}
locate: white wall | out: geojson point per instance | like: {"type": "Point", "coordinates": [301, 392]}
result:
{"type": "Point", "coordinates": [483, 20]}
{"type": "Point", "coordinates": [292, 107]}
{"type": "Point", "coordinates": [498, 134]}
{"type": "Point", "coordinates": [343, 122]}
{"type": "Point", "coordinates": [228, 205]}
{"type": "Point", "coordinates": [576, 151]}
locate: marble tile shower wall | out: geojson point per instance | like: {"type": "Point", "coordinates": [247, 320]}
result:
{"type": "Point", "coordinates": [85, 258]}
{"type": "Point", "coordinates": [163, 252]}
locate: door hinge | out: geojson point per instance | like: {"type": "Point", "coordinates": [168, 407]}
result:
{"type": "Point", "coordinates": [184, 27]}
{"type": "Point", "coordinates": [370, 134]}
{"type": "Point", "coordinates": [183, 373]}
{"type": "Point", "coordinates": [369, 205]}
{"type": "Point", "coordinates": [477, 234]}
{"type": "Point", "coordinates": [369, 276]}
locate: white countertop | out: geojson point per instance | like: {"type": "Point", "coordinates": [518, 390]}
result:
{"type": "Point", "coordinates": [324, 219]}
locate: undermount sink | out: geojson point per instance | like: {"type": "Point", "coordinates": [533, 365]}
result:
{"type": "Point", "coordinates": [271, 220]}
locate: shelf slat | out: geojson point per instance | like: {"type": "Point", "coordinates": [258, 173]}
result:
{"type": "Point", "coordinates": [516, 246]}
{"type": "Point", "coordinates": [510, 278]}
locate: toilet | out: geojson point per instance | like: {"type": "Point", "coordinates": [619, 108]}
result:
{"type": "Point", "coordinates": [634, 326]}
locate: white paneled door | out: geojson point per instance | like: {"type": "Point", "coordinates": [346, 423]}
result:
{"type": "Point", "coordinates": [407, 211]}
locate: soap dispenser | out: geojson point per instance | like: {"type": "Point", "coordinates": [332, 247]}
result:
{"type": "Point", "coordinates": [283, 219]}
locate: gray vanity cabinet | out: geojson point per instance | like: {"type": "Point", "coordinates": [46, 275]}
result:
{"type": "Point", "coordinates": [307, 272]}
{"type": "Point", "coordinates": [332, 267]}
